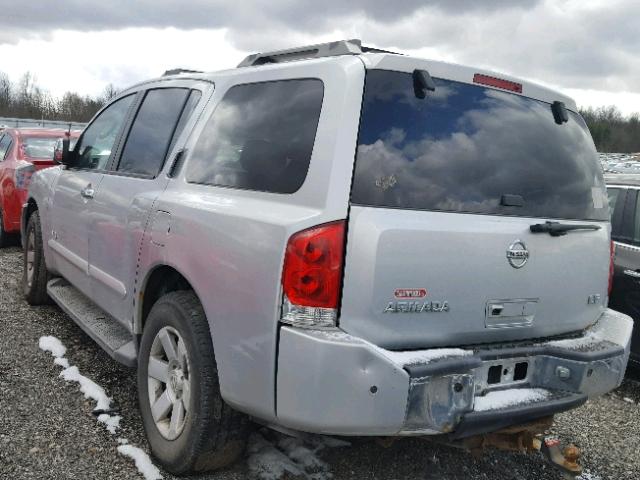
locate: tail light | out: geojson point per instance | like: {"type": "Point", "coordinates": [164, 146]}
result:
{"type": "Point", "coordinates": [312, 276]}
{"type": "Point", "coordinates": [497, 82]}
{"type": "Point", "coordinates": [23, 175]}
{"type": "Point", "coordinates": [612, 256]}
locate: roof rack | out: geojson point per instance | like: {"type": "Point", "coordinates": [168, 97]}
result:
{"type": "Point", "coordinates": [331, 49]}
{"type": "Point", "coordinates": [177, 71]}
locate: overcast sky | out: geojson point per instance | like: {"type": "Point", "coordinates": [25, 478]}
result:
{"type": "Point", "coordinates": [589, 49]}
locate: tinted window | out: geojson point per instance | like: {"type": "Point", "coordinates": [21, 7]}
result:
{"type": "Point", "coordinates": [98, 139]}
{"type": "Point", "coordinates": [464, 147]}
{"type": "Point", "coordinates": [636, 222]}
{"type": "Point", "coordinates": [5, 143]}
{"type": "Point", "coordinates": [260, 137]}
{"type": "Point", "coordinates": [152, 130]}
{"type": "Point", "coordinates": [616, 204]}
{"type": "Point", "coordinates": [40, 148]}
{"type": "Point", "coordinates": [192, 101]}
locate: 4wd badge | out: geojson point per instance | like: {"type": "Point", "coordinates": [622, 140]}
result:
{"type": "Point", "coordinates": [413, 304]}
{"type": "Point", "coordinates": [410, 293]}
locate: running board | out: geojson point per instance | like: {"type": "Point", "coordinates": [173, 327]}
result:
{"type": "Point", "coordinates": [105, 330]}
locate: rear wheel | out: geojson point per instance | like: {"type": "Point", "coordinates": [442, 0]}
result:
{"type": "Point", "coordinates": [35, 274]}
{"type": "Point", "coordinates": [188, 424]}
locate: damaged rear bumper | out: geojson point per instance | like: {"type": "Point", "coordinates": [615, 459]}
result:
{"type": "Point", "coordinates": [331, 382]}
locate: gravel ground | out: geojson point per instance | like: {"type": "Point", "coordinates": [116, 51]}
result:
{"type": "Point", "coordinates": [47, 430]}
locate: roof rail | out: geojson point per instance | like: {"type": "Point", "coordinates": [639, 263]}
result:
{"type": "Point", "coordinates": [177, 71]}
{"type": "Point", "coordinates": [331, 49]}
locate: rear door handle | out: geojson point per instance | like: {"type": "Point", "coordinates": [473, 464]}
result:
{"type": "Point", "coordinates": [632, 273]}
{"type": "Point", "coordinates": [88, 192]}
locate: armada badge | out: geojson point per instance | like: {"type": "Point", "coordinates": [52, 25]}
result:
{"type": "Point", "coordinates": [416, 307]}
{"type": "Point", "coordinates": [517, 254]}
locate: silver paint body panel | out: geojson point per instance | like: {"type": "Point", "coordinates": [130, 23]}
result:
{"type": "Point", "coordinates": [461, 258]}
{"type": "Point", "coordinates": [229, 244]}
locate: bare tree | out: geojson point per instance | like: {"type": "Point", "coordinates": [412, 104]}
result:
{"type": "Point", "coordinates": [26, 99]}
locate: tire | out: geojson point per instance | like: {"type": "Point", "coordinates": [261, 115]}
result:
{"type": "Point", "coordinates": [35, 274]}
{"type": "Point", "coordinates": [212, 435]}
{"type": "Point", "coordinates": [5, 239]}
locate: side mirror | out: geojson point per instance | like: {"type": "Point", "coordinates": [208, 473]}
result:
{"type": "Point", "coordinates": [65, 155]}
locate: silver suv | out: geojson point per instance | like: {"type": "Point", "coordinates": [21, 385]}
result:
{"type": "Point", "coordinates": [334, 239]}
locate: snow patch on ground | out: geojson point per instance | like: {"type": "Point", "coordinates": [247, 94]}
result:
{"type": "Point", "coordinates": [111, 422]}
{"type": "Point", "coordinates": [88, 387]}
{"type": "Point", "coordinates": [273, 455]}
{"type": "Point", "coordinates": [92, 390]}
{"type": "Point", "coordinates": [419, 357]}
{"type": "Point", "coordinates": [587, 475]}
{"type": "Point", "coordinates": [63, 362]}
{"type": "Point", "coordinates": [53, 345]}
{"type": "Point", "coordinates": [508, 398]}
{"type": "Point", "coordinates": [142, 461]}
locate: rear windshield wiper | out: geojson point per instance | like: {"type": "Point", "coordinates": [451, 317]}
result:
{"type": "Point", "coordinates": [556, 229]}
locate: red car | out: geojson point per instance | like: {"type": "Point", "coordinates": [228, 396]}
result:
{"type": "Point", "coordinates": [22, 152]}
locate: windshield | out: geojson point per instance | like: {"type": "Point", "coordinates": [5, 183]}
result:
{"type": "Point", "coordinates": [466, 148]}
{"type": "Point", "coordinates": [41, 148]}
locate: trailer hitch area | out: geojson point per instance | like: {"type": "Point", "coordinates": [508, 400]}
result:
{"type": "Point", "coordinates": [529, 438]}
{"type": "Point", "coordinates": [566, 460]}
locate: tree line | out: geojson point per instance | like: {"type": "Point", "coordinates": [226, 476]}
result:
{"type": "Point", "coordinates": [26, 99]}
{"type": "Point", "coordinates": [612, 131]}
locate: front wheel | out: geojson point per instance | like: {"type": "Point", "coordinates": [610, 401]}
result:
{"type": "Point", "coordinates": [5, 238]}
{"type": "Point", "coordinates": [189, 426]}
{"type": "Point", "coordinates": [35, 274]}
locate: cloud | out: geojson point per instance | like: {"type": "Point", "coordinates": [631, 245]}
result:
{"type": "Point", "coordinates": [89, 15]}
{"type": "Point", "coordinates": [578, 44]}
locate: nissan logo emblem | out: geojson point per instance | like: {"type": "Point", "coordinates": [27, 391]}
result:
{"type": "Point", "coordinates": [517, 254]}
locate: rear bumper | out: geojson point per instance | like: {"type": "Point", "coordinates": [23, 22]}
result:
{"type": "Point", "coordinates": [333, 383]}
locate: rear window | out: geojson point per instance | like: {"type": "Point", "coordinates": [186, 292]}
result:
{"type": "Point", "coordinates": [40, 148]}
{"type": "Point", "coordinates": [470, 149]}
{"type": "Point", "coordinates": [260, 137]}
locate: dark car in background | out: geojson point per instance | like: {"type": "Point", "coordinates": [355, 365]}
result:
{"type": "Point", "coordinates": [624, 200]}
{"type": "Point", "coordinates": [22, 152]}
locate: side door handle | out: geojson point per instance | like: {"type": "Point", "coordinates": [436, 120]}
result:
{"type": "Point", "coordinates": [87, 192]}
{"type": "Point", "coordinates": [632, 273]}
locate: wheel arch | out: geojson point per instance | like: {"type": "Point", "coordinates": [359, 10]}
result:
{"type": "Point", "coordinates": [159, 280]}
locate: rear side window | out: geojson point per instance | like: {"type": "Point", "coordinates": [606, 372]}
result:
{"type": "Point", "coordinates": [616, 206]}
{"type": "Point", "coordinates": [39, 148]}
{"type": "Point", "coordinates": [470, 149]}
{"type": "Point", "coordinates": [5, 144]}
{"type": "Point", "coordinates": [152, 130]}
{"type": "Point", "coordinates": [260, 137]}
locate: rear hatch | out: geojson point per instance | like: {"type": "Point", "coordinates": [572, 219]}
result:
{"type": "Point", "coordinates": [440, 250]}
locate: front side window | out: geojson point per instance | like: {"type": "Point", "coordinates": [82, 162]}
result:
{"type": "Point", "coordinates": [97, 142]}
{"type": "Point", "coordinates": [260, 137]}
{"type": "Point", "coordinates": [151, 133]}
{"type": "Point", "coordinates": [470, 149]}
